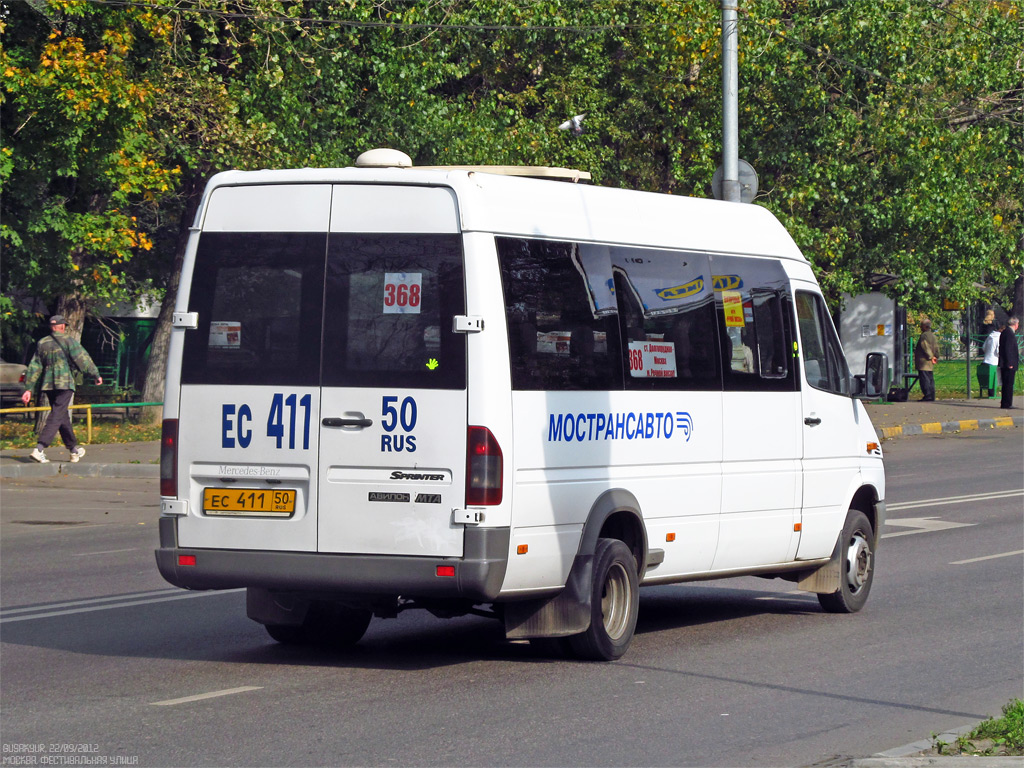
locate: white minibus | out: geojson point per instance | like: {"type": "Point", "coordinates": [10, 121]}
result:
{"type": "Point", "coordinates": [470, 391]}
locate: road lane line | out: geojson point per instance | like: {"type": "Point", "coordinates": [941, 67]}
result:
{"type": "Point", "coordinates": [921, 525]}
{"type": "Point", "coordinates": [92, 600]}
{"type": "Point", "coordinates": [202, 696]}
{"type": "Point", "coordinates": [954, 500]}
{"type": "Point", "coordinates": [988, 557]}
{"type": "Point", "coordinates": [129, 604]}
{"type": "Point", "coordinates": [106, 552]}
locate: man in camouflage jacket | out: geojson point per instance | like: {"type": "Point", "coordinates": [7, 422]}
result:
{"type": "Point", "coordinates": [52, 366]}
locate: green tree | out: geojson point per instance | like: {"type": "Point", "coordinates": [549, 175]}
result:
{"type": "Point", "coordinates": [78, 166]}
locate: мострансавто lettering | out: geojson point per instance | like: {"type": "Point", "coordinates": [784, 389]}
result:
{"type": "Point", "coordinates": [583, 427]}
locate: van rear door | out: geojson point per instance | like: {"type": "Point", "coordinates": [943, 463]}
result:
{"type": "Point", "coordinates": [323, 398]}
{"type": "Point", "coordinates": [393, 404]}
{"type": "Point", "coordinates": [255, 289]}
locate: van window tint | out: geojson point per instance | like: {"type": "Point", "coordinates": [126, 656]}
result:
{"type": "Point", "coordinates": [824, 362]}
{"type": "Point", "coordinates": [390, 301]}
{"type": "Point", "coordinates": [667, 319]}
{"type": "Point", "coordinates": [258, 297]}
{"type": "Point", "coordinates": [562, 325]}
{"type": "Point", "coordinates": [754, 307]}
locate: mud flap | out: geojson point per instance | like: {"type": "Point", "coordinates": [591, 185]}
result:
{"type": "Point", "coordinates": [826, 579]}
{"type": "Point", "coordinates": [565, 614]}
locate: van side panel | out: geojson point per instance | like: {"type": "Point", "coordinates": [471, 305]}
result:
{"type": "Point", "coordinates": [571, 447]}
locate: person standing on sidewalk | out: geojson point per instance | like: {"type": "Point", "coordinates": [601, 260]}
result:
{"type": "Point", "coordinates": [1009, 361]}
{"type": "Point", "coordinates": [988, 369]}
{"type": "Point", "coordinates": [53, 368]}
{"type": "Point", "coordinates": [926, 355]}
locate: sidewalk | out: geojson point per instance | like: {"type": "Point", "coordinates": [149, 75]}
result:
{"type": "Point", "coordinates": [106, 460]}
{"type": "Point", "coordinates": [942, 416]}
{"type": "Point", "coordinates": [891, 420]}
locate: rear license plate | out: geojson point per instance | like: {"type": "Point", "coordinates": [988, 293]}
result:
{"type": "Point", "coordinates": [245, 502]}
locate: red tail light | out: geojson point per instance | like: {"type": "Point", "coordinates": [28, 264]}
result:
{"type": "Point", "coordinates": [169, 458]}
{"type": "Point", "coordinates": [483, 468]}
{"type": "Point", "coordinates": [21, 379]}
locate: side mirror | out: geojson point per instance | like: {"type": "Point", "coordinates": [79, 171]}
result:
{"type": "Point", "coordinates": [872, 385]}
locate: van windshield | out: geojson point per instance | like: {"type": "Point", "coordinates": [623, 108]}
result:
{"type": "Point", "coordinates": [311, 309]}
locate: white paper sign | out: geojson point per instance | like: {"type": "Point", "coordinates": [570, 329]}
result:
{"type": "Point", "coordinates": [226, 333]}
{"type": "Point", "coordinates": [652, 359]}
{"type": "Point", "coordinates": [403, 293]}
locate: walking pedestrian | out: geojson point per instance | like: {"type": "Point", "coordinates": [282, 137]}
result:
{"type": "Point", "coordinates": [926, 355]}
{"type": "Point", "coordinates": [53, 367]}
{"type": "Point", "coordinates": [1009, 361]}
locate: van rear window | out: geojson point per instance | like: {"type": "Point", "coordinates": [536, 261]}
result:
{"type": "Point", "coordinates": [390, 302]}
{"type": "Point", "coordinates": [259, 298]}
{"type": "Point", "coordinates": [305, 309]}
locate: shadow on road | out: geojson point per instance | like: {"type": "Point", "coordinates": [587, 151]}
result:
{"type": "Point", "coordinates": [214, 628]}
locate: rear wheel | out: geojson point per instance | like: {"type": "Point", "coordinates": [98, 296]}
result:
{"type": "Point", "coordinates": [326, 624]}
{"type": "Point", "coordinates": [857, 566]}
{"type": "Point", "coordinates": [614, 604]}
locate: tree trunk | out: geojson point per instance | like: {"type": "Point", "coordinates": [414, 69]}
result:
{"type": "Point", "coordinates": [156, 370]}
{"type": "Point", "coordinates": [1018, 285]}
{"type": "Point", "coordinates": [73, 307]}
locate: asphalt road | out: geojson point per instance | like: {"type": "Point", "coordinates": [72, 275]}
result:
{"type": "Point", "coordinates": [103, 661]}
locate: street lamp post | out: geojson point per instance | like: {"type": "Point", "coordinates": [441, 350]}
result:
{"type": "Point", "coordinates": [730, 107]}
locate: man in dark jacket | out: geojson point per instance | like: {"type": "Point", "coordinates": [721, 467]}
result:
{"type": "Point", "coordinates": [1009, 360]}
{"type": "Point", "coordinates": [57, 358]}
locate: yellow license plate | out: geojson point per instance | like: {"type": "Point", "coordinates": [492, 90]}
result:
{"type": "Point", "coordinates": [244, 502]}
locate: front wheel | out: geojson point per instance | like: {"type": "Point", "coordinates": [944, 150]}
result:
{"type": "Point", "coordinates": [857, 566]}
{"type": "Point", "coordinates": [614, 603]}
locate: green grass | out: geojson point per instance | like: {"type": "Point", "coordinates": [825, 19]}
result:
{"type": "Point", "coordinates": [951, 380]}
{"type": "Point", "coordinates": [19, 434]}
{"type": "Point", "coordinates": [994, 737]}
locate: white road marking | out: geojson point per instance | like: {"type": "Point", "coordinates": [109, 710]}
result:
{"type": "Point", "coordinates": [106, 552]}
{"type": "Point", "coordinates": [954, 500]}
{"type": "Point", "coordinates": [988, 557]}
{"type": "Point", "coordinates": [921, 525]}
{"type": "Point", "coordinates": [202, 696]}
{"type": "Point", "coordinates": [90, 600]}
{"type": "Point", "coordinates": [129, 602]}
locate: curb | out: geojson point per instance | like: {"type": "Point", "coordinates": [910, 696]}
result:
{"type": "Point", "coordinates": [52, 469]}
{"type": "Point", "coordinates": [950, 427]}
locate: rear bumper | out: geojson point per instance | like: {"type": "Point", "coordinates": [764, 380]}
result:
{"type": "Point", "coordinates": [478, 574]}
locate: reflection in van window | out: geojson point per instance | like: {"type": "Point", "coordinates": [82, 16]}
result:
{"type": "Point", "coordinates": [562, 331]}
{"type": "Point", "coordinates": [258, 297]}
{"type": "Point", "coordinates": [675, 348]}
{"type": "Point", "coordinates": [754, 309]}
{"type": "Point", "coordinates": [389, 306]}
{"type": "Point", "coordinates": [824, 364]}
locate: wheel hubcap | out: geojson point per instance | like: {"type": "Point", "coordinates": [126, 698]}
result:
{"type": "Point", "coordinates": [615, 602]}
{"type": "Point", "coordinates": [858, 562]}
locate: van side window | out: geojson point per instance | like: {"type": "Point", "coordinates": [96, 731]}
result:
{"type": "Point", "coordinates": [259, 301]}
{"type": "Point", "coordinates": [667, 319]}
{"type": "Point", "coordinates": [390, 300]}
{"type": "Point", "coordinates": [824, 362]}
{"type": "Point", "coordinates": [562, 330]}
{"type": "Point", "coordinates": [753, 300]}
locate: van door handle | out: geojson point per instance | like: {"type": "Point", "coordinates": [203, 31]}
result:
{"type": "Point", "coordinates": [812, 421]}
{"type": "Point", "coordinates": [332, 422]}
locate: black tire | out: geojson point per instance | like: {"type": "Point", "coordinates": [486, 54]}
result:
{"type": "Point", "coordinates": [287, 634]}
{"type": "Point", "coordinates": [614, 604]}
{"type": "Point", "coordinates": [327, 625]}
{"type": "Point", "coordinates": [857, 566]}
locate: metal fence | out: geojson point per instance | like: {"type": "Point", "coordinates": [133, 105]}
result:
{"type": "Point", "coordinates": [87, 407]}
